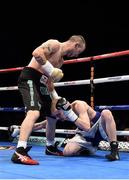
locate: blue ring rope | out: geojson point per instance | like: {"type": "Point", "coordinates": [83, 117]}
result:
{"type": "Point", "coordinates": [101, 107]}
{"type": "Point", "coordinates": [12, 109]}
{"type": "Point", "coordinates": [113, 107]}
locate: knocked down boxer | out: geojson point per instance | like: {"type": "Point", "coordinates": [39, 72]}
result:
{"type": "Point", "coordinates": [93, 127]}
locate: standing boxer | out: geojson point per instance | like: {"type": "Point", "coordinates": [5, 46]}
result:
{"type": "Point", "coordinates": [36, 87]}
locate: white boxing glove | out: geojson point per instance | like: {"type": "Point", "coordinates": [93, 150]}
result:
{"type": "Point", "coordinates": [55, 74]}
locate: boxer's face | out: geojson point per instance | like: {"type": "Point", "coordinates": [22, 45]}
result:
{"type": "Point", "coordinates": [76, 50]}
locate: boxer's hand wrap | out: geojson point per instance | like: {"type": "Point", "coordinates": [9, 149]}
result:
{"type": "Point", "coordinates": [55, 74]}
{"type": "Point", "coordinates": [53, 150]}
{"type": "Point", "coordinates": [64, 105]}
{"type": "Point", "coordinates": [54, 94]}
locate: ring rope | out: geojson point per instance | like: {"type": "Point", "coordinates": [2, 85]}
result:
{"type": "Point", "coordinates": [73, 132]}
{"type": "Point", "coordinates": [101, 107]}
{"type": "Point", "coordinates": [79, 82]}
{"type": "Point", "coordinates": [96, 81]}
{"type": "Point", "coordinates": [12, 109]}
{"type": "Point", "coordinates": [112, 107]}
{"type": "Point", "coordinates": [9, 88]}
{"type": "Point", "coordinates": [103, 145]}
{"type": "Point", "coordinates": [70, 131]}
{"type": "Point", "coordinates": [98, 57]}
{"type": "Point", "coordinates": [78, 60]}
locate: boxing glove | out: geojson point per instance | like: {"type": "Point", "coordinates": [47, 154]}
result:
{"type": "Point", "coordinates": [55, 74]}
{"type": "Point", "coordinates": [64, 105]}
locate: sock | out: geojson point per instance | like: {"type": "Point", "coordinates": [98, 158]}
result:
{"type": "Point", "coordinates": [22, 144]}
{"type": "Point", "coordinates": [50, 143]}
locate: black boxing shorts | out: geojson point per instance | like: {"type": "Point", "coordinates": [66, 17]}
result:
{"type": "Point", "coordinates": [35, 95]}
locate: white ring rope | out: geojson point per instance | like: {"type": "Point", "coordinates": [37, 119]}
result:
{"type": "Point", "coordinates": [10, 88]}
{"type": "Point", "coordinates": [72, 132]}
{"type": "Point", "coordinates": [103, 145]}
{"type": "Point", "coordinates": [96, 81]}
{"type": "Point", "coordinates": [79, 82]}
{"type": "Point", "coordinates": [66, 131]}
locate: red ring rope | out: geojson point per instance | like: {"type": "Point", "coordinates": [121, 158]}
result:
{"type": "Point", "coordinates": [78, 60]}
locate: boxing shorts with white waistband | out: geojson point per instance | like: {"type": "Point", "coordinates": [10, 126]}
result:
{"type": "Point", "coordinates": [35, 94]}
{"type": "Point", "coordinates": [91, 139]}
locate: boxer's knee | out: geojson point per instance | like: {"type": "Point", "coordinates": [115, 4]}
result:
{"type": "Point", "coordinates": [106, 114]}
{"type": "Point", "coordinates": [33, 114]}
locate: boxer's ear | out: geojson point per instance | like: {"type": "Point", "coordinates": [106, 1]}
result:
{"type": "Point", "coordinates": [77, 45]}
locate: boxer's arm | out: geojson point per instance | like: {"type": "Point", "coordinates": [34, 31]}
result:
{"type": "Point", "coordinates": [80, 118]}
{"type": "Point", "coordinates": [64, 105]}
{"type": "Point", "coordinates": [42, 54]}
{"type": "Point", "coordinates": [51, 88]}
{"type": "Point", "coordinates": [45, 50]}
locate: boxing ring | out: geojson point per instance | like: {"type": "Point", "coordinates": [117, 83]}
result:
{"type": "Point", "coordinates": [54, 167]}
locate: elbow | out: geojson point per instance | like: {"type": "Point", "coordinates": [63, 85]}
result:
{"type": "Point", "coordinates": [38, 52]}
{"type": "Point", "coordinates": [86, 126]}
{"type": "Point", "coordinates": [35, 53]}
{"type": "Point", "coordinates": [39, 56]}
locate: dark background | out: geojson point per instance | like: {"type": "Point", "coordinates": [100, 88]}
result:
{"type": "Point", "coordinates": [104, 25]}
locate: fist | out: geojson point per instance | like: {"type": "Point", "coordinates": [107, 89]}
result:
{"type": "Point", "coordinates": [63, 104]}
{"type": "Point", "coordinates": [56, 75]}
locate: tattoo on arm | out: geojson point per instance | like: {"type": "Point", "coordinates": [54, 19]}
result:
{"type": "Point", "coordinates": [48, 49]}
